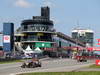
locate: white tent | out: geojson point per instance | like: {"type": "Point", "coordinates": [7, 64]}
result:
{"type": "Point", "coordinates": [28, 50]}
{"type": "Point", "coordinates": [37, 50]}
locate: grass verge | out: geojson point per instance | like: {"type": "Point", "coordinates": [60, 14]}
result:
{"type": "Point", "coordinates": [64, 73]}
{"type": "Point", "coordinates": [10, 61]}
{"type": "Point", "coordinates": [94, 66]}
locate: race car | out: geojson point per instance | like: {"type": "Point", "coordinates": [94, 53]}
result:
{"type": "Point", "coordinates": [81, 59]}
{"type": "Point", "coordinates": [31, 64]}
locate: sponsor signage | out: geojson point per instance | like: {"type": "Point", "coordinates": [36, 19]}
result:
{"type": "Point", "coordinates": [97, 62]}
{"type": "Point", "coordinates": [39, 28]}
{"type": "Point", "coordinates": [96, 48]}
{"type": "Point", "coordinates": [98, 41]}
{"type": "Point", "coordinates": [43, 44]}
{"type": "Point", "coordinates": [93, 48]}
{"type": "Point", "coordinates": [6, 38]}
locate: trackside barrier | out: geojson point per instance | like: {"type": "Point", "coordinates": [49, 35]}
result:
{"type": "Point", "coordinates": [97, 62]}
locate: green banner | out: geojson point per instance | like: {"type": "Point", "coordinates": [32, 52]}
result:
{"type": "Point", "coordinates": [42, 44]}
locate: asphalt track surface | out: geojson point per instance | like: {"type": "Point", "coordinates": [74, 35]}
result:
{"type": "Point", "coordinates": [50, 65]}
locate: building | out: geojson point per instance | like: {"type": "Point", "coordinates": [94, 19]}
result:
{"type": "Point", "coordinates": [36, 32]}
{"type": "Point", "coordinates": [39, 32]}
{"type": "Point", "coordinates": [84, 35]}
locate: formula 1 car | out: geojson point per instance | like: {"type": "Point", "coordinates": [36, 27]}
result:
{"type": "Point", "coordinates": [81, 59]}
{"type": "Point", "coordinates": [31, 64]}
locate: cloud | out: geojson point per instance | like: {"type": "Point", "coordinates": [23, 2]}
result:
{"type": "Point", "coordinates": [55, 20]}
{"type": "Point", "coordinates": [22, 3]}
{"type": "Point", "coordinates": [48, 3]}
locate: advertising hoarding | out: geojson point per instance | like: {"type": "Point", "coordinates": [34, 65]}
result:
{"type": "Point", "coordinates": [8, 37]}
{"type": "Point", "coordinates": [43, 44]}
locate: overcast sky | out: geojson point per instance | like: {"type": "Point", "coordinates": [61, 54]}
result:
{"type": "Point", "coordinates": [67, 14]}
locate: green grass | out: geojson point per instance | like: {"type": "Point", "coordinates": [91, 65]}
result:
{"type": "Point", "coordinates": [11, 61]}
{"type": "Point", "coordinates": [94, 66]}
{"type": "Point", "coordinates": [64, 73]}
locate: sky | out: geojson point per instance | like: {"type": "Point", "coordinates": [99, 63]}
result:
{"type": "Point", "coordinates": [66, 14]}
